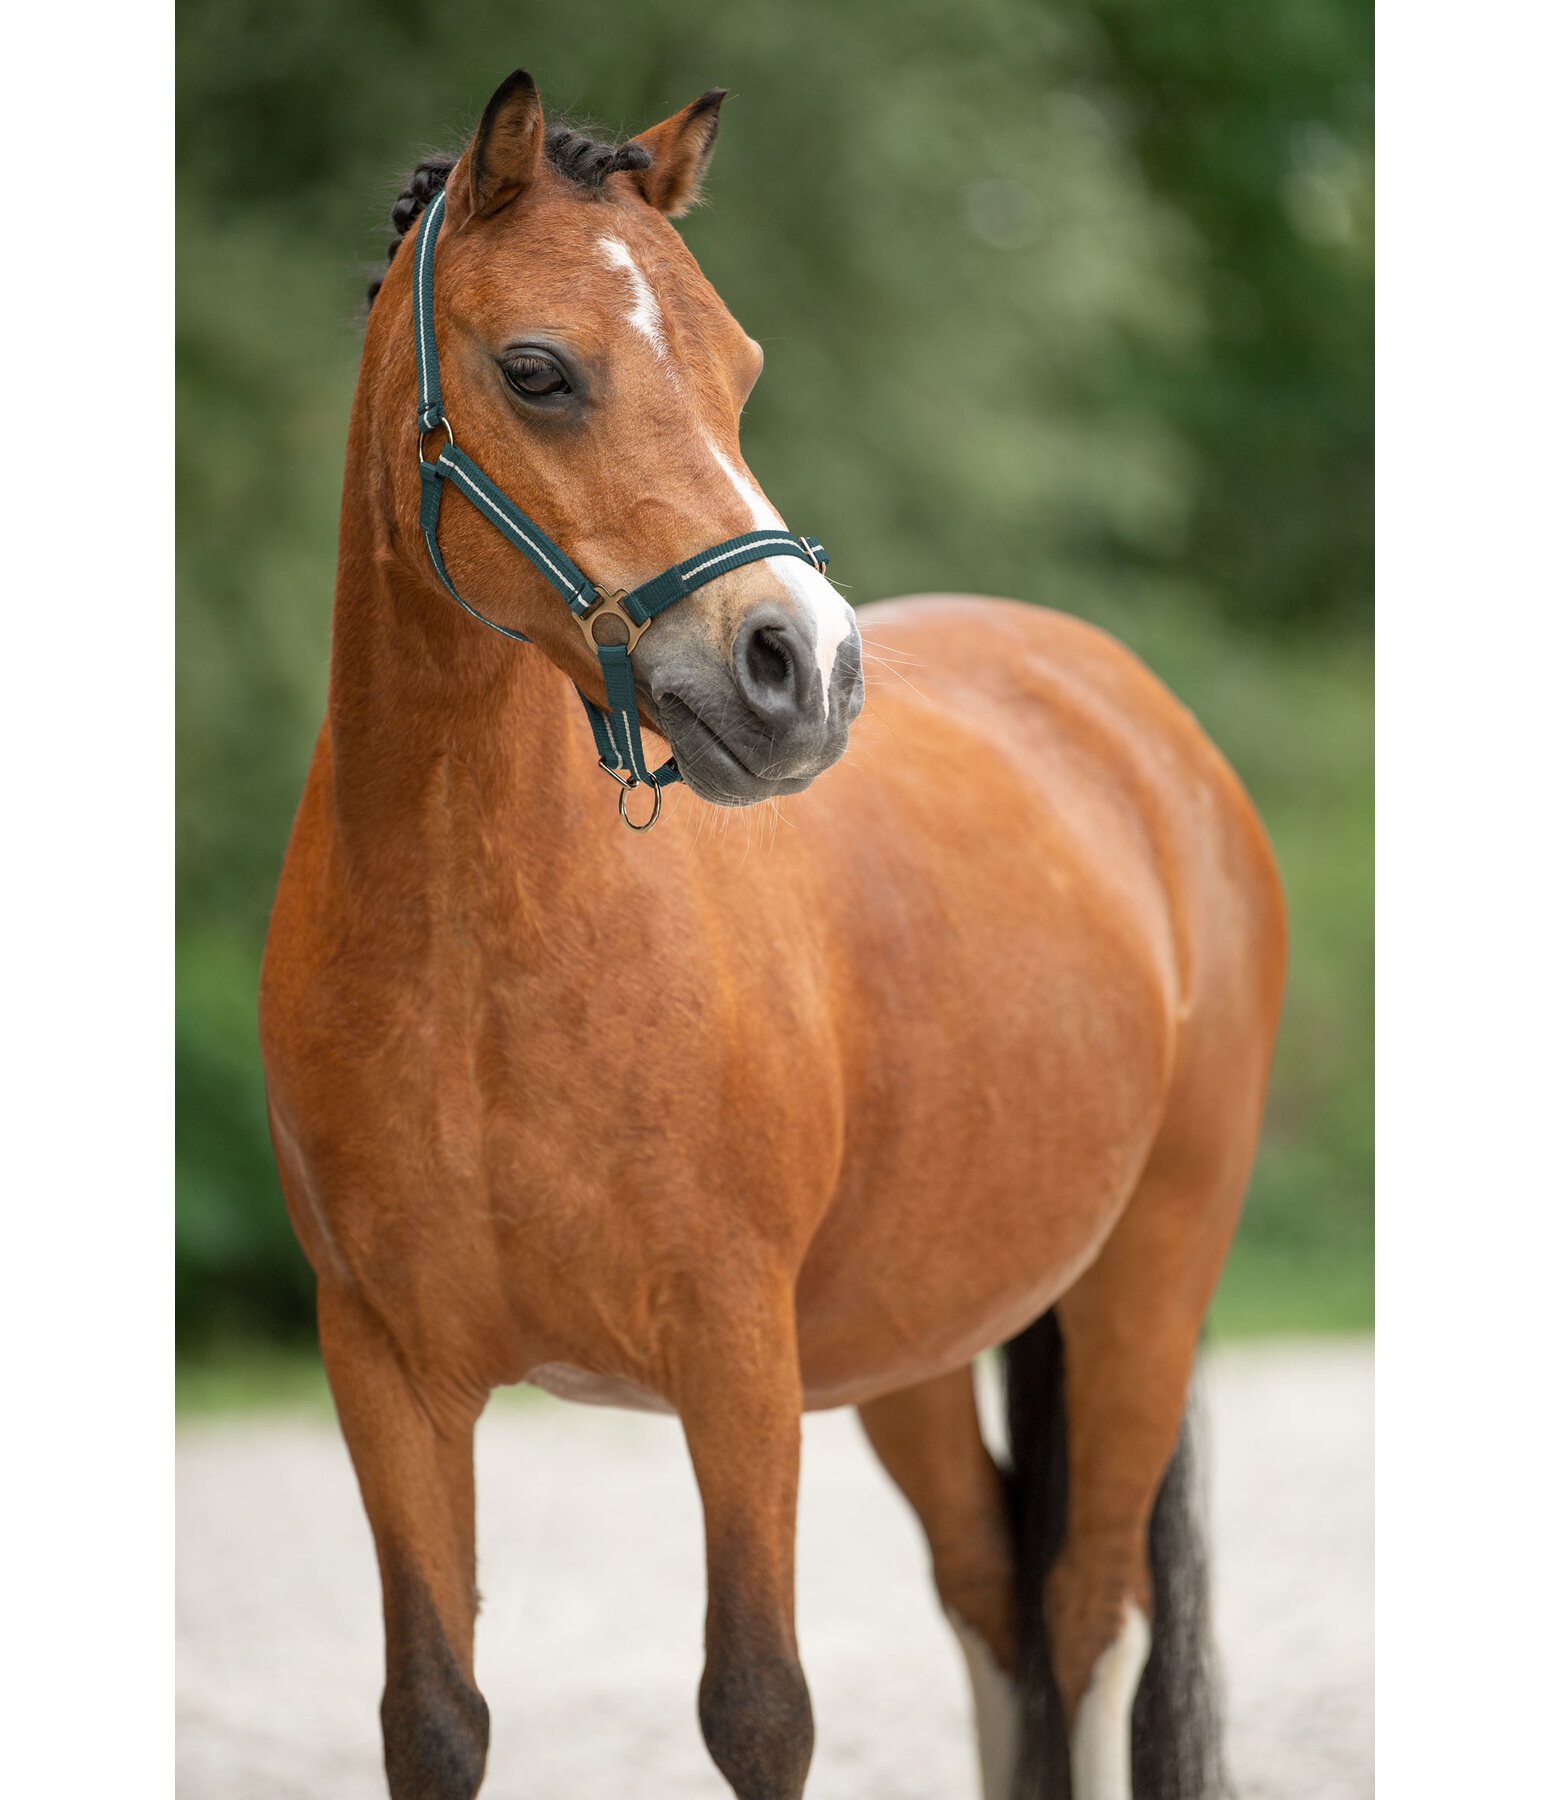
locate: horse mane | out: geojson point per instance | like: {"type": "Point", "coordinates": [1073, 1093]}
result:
{"type": "Point", "coordinates": [584, 162]}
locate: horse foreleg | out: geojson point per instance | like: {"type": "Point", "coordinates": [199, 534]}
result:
{"type": "Point", "coordinates": [738, 1392]}
{"type": "Point", "coordinates": [412, 1446]}
{"type": "Point", "coordinates": [928, 1439]}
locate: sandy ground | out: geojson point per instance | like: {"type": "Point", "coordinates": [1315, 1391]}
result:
{"type": "Point", "coordinates": [591, 1572]}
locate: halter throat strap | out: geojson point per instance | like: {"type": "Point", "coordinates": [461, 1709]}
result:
{"type": "Point", "coordinates": [616, 728]}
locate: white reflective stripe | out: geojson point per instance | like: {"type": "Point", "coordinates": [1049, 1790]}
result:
{"type": "Point", "coordinates": [613, 742]}
{"type": "Point", "coordinates": [421, 249]}
{"type": "Point", "coordinates": [707, 562]}
{"type": "Point", "coordinates": [633, 760]}
{"type": "Point", "coordinates": [516, 637]}
{"type": "Point", "coordinates": [478, 495]}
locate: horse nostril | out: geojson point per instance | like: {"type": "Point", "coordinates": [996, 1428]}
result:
{"type": "Point", "coordinates": [768, 664]}
{"type": "Point", "coordinates": [774, 668]}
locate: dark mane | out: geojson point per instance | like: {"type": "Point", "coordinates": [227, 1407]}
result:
{"type": "Point", "coordinates": [585, 164]}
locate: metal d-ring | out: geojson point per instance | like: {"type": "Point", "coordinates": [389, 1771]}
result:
{"type": "Point", "coordinates": [627, 784]}
{"type": "Point", "coordinates": [442, 424]}
{"type": "Point", "coordinates": [656, 804]}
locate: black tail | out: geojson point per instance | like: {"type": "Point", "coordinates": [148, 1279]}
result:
{"type": "Point", "coordinates": [1175, 1729]}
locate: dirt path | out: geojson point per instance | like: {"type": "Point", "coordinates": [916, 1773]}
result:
{"type": "Point", "coordinates": [590, 1567]}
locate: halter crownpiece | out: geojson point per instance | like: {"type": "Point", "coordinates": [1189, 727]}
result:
{"type": "Point", "coordinates": [616, 728]}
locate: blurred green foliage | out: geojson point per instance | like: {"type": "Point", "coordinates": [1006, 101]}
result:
{"type": "Point", "coordinates": [1063, 299]}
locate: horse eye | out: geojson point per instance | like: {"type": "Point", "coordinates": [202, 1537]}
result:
{"type": "Point", "coordinates": [535, 375]}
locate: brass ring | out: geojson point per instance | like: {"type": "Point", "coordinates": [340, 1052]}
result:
{"type": "Point", "coordinates": [610, 605]}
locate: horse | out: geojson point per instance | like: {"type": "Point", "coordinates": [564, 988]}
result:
{"type": "Point", "coordinates": [968, 1050]}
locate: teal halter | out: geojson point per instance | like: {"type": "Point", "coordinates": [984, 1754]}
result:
{"type": "Point", "coordinates": [617, 728]}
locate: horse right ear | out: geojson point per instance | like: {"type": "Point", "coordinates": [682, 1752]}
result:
{"type": "Point", "coordinates": [503, 160]}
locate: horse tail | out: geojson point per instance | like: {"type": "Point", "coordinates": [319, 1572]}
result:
{"type": "Point", "coordinates": [1175, 1722]}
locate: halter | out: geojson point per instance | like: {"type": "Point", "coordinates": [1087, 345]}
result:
{"type": "Point", "coordinates": [616, 728]}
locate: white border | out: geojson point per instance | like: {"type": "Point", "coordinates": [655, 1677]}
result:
{"type": "Point", "coordinates": [1464, 988]}
{"type": "Point", "coordinates": [86, 1053]}
{"type": "Point", "coordinates": [1464, 916]}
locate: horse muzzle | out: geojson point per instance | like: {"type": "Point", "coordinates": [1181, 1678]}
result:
{"type": "Point", "coordinates": [762, 718]}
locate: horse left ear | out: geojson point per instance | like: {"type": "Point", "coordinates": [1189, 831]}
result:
{"type": "Point", "coordinates": [680, 150]}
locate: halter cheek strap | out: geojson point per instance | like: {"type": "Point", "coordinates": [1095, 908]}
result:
{"type": "Point", "coordinates": [616, 728]}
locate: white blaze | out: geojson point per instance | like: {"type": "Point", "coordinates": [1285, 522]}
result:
{"type": "Point", "coordinates": [832, 619]}
{"type": "Point", "coordinates": [645, 315]}
{"type": "Point", "coordinates": [1100, 1736]}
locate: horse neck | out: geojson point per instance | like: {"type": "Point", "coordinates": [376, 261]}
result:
{"type": "Point", "coordinates": [432, 716]}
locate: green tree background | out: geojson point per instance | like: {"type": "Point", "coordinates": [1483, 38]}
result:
{"type": "Point", "coordinates": [1069, 300]}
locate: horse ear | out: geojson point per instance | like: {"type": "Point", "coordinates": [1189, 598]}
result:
{"type": "Point", "coordinates": [504, 158]}
{"type": "Point", "coordinates": [680, 150]}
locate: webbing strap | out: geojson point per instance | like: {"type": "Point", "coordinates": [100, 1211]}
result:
{"type": "Point", "coordinates": [616, 729]}
{"type": "Point", "coordinates": [516, 527]}
{"type": "Point", "coordinates": [656, 595]}
{"type": "Point", "coordinates": [430, 512]}
{"type": "Point", "coordinates": [426, 360]}
{"type": "Point", "coordinates": [616, 732]}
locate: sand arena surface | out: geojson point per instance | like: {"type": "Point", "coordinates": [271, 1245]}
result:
{"type": "Point", "coordinates": [590, 1566]}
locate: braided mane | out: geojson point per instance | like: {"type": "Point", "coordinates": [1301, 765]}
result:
{"type": "Point", "coordinates": [583, 162]}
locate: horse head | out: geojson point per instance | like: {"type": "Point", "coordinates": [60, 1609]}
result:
{"type": "Point", "coordinates": [599, 380]}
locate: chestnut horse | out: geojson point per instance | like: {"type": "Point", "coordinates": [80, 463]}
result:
{"type": "Point", "coordinates": [970, 1046]}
